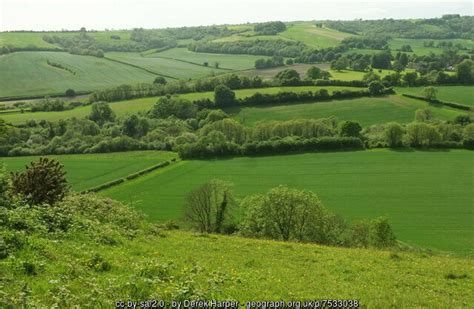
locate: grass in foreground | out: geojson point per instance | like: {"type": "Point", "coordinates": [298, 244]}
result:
{"type": "Point", "coordinates": [178, 265]}
{"type": "Point", "coordinates": [85, 171]}
{"type": "Point", "coordinates": [427, 195]}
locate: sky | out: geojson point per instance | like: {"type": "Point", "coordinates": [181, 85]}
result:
{"type": "Point", "coordinates": [126, 14]}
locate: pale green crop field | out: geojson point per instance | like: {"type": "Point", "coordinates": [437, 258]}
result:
{"type": "Point", "coordinates": [28, 73]}
{"type": "Point", "coordinates": [225, 61]}
{"type": "Point", "coordinates": [168, 67]}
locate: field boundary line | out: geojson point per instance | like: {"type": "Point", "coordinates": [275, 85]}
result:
{"type": "Point", "coordinates": [436, 101]}
{"type": "Point", "coordinates": [139, 67]}
{"type": "Point", "coordinates": [129, 177]}
{"type": "Point", "coordinates": [190, 62]}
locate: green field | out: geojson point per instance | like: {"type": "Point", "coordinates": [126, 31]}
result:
{"type": "Point", "coordinates": [168, 67]}
{"type": "Point", "coordinates": [420, 50]}
{"type": "Point", "coordinates": [28, 73]}
{"type": "Point", "coordinates": [427, 195]}
{"type": "Point", "coordinates": [367, 111]}
{"type": "Point", "coordinates": [88, 170]}
{"type": "Point", "coordinates": [24, 39]}
{"type": "Point", "coordinates": [226, 61]}
{"type": "Point", "coordinates": [144, 104]}
{"type": "Point", "coordinates": [313, 36]}
{"type": "Point", "coordinates": [457, 94]}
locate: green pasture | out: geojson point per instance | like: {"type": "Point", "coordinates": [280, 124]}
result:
{"type": "Point", "coordinates": [457, 94]}
{"type": "Point", "coordinates": [367, 111]}
{"type": "Point", "coordinates": [28, 73]}
{"type": "Point", "coordinates": [89, 170]}
{"type": "Point", "coordinates": [225, 61]}
{"type": "Point", "coordinates": [427, 195]}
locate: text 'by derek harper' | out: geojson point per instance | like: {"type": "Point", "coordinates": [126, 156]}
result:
{"type": "Point", "coordinates": [326, 303]}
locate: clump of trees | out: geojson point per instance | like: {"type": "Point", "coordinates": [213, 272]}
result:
{"type": "Point", "coordinates": [208, 208]}
{"type": "Point", "coordinates": [269, 28]}
{"type": "Point", "coordinates": [43, 182]}
{"type": "Point", "coordinates": [275, 61]}
{"type": "Point", "coordinates": [284, 214]}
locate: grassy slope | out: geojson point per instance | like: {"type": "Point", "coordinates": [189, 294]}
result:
{"type": "Point", "coordinates": [367, 111]}
{"type": "Point", "coordinates": [27, 73]}
{"type": "Point", "coordinates": [144, 104]}
{"type": "Point", "coordinates": [427, 196]}
{"type": "Point", "coordinates": [458, 94]}
{"type": "Point", "coordinates": [168, 67]}
{"type": "Point", "coordinates": [88, 170]}
{"type": "Point", "coordinates": [24, 39]}
{"type": "Point", "coordinates": [223, 267]}
{"type": "Point", "coordinates": [234, 62]}
{"type": "Point", "coordinates": [313, 36]}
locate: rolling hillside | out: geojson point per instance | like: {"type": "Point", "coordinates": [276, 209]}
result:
{"type": "Point", "coordinates": [29, 74]}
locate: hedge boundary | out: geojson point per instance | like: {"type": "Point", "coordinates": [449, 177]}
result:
{"type": "Point", "coordinates": [450, 104]}
{"type": "Point", "coordinates": [129, 177]}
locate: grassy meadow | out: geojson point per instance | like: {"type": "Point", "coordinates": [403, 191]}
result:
{"type": "Point", "coordinates": [367, 111]}
{"type": "Point", "coordinates": [427, 195]}
{"type": "Point", "coordinates": [85, 171]}
{"type": "Point", "coordinates": [176, 264]}
{"type": "Point", "coordinates": [39, 78]}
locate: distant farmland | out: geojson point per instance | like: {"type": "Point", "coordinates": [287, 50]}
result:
{"type": "Point", "coordinates": [28, 73]}
{"type": "Point", "coordinates": [427, 195]}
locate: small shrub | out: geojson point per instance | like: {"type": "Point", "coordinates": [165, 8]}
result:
{"type": "Point", "coordinates": [98, 263]}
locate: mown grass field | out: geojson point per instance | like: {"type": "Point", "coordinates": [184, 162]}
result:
{"type": "Point", "coordinates": [457, 94]}
{"type": "Point", "coordinates": [28, 73]}
{"type": "Point", "coordinates": [313, 36]}
{"type": "Point", "coordinates": [225, 61]}
{"type": "Point", "coordinates": [89, 170]}
{"type": "Point", "coordinates": [168, 67]}
{"type": "Point", "coordinates": [224, 267]}
{"type": "Point", "coordinates": [367, 111]}
{"type": "Point", "coordinates": [427, 195]}
{"type": "Point", "coordinates": [144, 104]}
